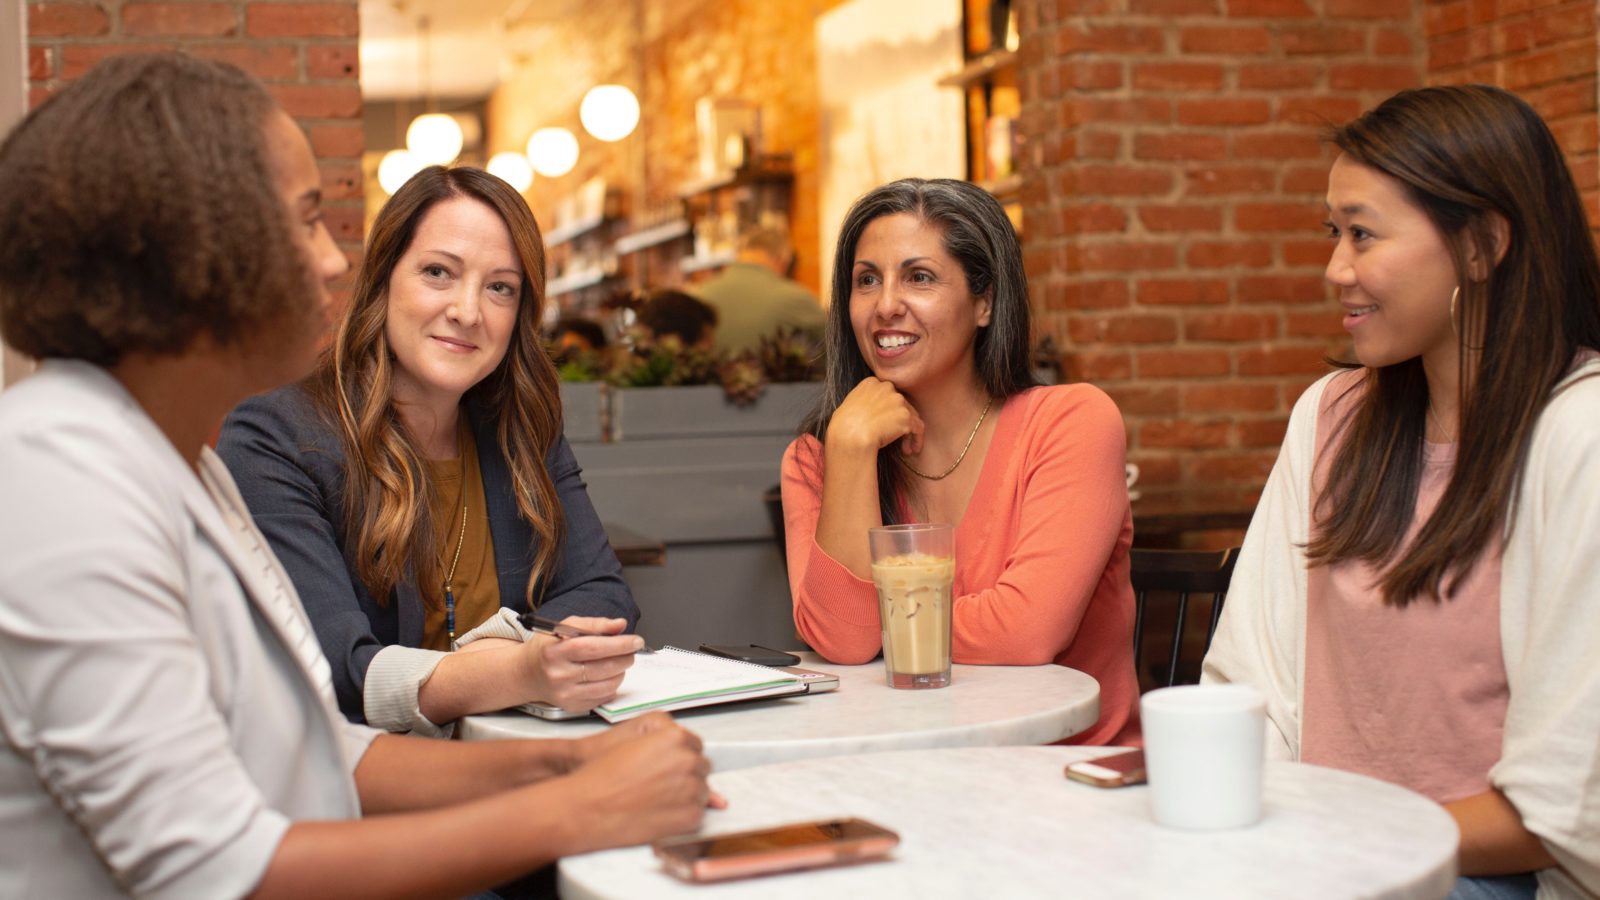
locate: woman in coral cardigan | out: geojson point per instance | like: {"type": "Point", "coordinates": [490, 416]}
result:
{"type": "Point", "coordinates": [931, 414]}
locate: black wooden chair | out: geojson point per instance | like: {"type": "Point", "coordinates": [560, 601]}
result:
{"type": "Point", "coordinates": [773, 500]}
{"type": "Point", "coordinates": [1186, 573]}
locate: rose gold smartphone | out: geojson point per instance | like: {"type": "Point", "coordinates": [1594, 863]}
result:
{"type": "Point", "coordinates": [801, 846]}
{"type": "Point", "coordinates": [1116, 770]}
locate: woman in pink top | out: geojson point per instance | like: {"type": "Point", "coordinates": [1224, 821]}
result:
{"type": "Point", "coordinates": [931, 414]}
{"type": "Point", "coordinates": [1419, 591]}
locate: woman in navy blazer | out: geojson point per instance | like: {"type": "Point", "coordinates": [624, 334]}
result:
{"type": "Point", "coordinates": [438, 356]}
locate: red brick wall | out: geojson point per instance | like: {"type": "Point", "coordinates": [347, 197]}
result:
{"type": "Point", "coordinates": [1545, 51]}
{"type": "Point", "coordinates": [1172, 207]}
{"type": "Point", "coordinates": [305, 52]}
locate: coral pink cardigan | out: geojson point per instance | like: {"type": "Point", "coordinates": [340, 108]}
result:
{"type": "Point", "coordinates": [1041, 554]}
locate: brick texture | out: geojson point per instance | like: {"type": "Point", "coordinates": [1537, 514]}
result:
{"type": "Point", "coordinates": [1183, 271]}
{"type": "Point", "coordinates": [305, 52]}
{"type": "Point", "coordinates": [1545, 52]}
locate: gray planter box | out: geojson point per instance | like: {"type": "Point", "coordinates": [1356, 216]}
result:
{"type": "Point", "coordinates": [704, 410]}
{"type": "Point", "coordinates": [583, 411]}
{"type": "Point", "coordinates": [685, 466]}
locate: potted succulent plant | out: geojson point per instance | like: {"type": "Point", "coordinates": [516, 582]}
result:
{"type": "Point", "coordinates": [653, 388]}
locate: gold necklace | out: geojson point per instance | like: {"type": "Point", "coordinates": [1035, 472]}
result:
{"type": "Point", "coordinates": [981, 416]}
{"type": "Point", "coordinates": [449, 595]}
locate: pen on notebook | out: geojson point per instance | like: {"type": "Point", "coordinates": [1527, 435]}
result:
{"type": "Point", "coordinates": [561, 630]}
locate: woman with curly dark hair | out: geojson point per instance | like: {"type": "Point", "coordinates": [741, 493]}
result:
{"type": "Point", "coordinates": [169, 720]}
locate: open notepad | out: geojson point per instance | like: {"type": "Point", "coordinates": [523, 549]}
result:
{"type": "Point", "coordinates": [680, 679]}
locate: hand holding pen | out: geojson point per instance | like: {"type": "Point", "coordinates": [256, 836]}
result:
{"type": "Point", "coordinates": [583, 666]}
{"type": "Point", "coordinates": [570, 627]}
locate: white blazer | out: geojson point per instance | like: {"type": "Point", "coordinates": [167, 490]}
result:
{"type": "Point", "coordinates": [165, 710]}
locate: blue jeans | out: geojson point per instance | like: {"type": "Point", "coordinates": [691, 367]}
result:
{"type": "Point", "coordinates": [1496, 887]}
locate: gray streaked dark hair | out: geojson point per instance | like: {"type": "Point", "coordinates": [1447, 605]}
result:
{"type": "Point", "coordinates": [982, 241]}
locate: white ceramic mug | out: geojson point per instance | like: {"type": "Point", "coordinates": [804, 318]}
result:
{"type": "Point", "coordinates": [1203, 748]}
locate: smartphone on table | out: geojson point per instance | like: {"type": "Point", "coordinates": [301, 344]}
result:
{"type": "Point", "coordinates": [804, 845]}
{"type": "Point", "coordinates": [1116, 770]}
{"type": "Point", "coordinates": [750, 653]}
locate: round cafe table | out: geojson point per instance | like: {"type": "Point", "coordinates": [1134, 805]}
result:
{"type": "Point", "coordinates": [983, 706]}
{"type": "Point", "coordinates": [1004, 822]}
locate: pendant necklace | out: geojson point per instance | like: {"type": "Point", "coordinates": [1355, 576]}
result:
{"type": "Point", "coordinates": [1448, 439]}
{"type": "Point", "coordinates": [449, 595]}
{"type": "Point", "coordinates": [981, 416]}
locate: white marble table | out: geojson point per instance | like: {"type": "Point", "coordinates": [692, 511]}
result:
{"type": "Point", "coordinates": [984, 706]}
{"type": "Point", "coordinates": [1004, 822]}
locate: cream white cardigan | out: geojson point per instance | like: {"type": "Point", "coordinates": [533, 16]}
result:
{"type": "Point", "coordinates": [1549, 623]}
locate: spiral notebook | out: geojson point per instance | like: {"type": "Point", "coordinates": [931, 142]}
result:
{"type": "Point", "coordinates": [683, 679]}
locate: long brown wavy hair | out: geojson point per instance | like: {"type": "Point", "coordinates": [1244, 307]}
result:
{"type": "Point", "coordinates": [386, 500]}
{"type": "Point", "coordinates": [1463, 154]}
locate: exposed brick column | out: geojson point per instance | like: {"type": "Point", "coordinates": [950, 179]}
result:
{"type": "Point", "coordinates": [305, 52]}
{"type": "Point", "coordinates": [1172, 202]}
{"type": "Point", "coordinates": [1546, 52]}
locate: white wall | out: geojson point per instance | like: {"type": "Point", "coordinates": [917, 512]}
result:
{"type": "Point", "coordinates": [884, 115]}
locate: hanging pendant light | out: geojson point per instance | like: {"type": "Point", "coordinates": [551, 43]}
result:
{"type": "Point", "coordinates": [553, 152]}
{"type": "Point", "coordinates": [434, 139]}
{"type": "Point", "coordinates": [396, 168]}
{"type": "Point", "coordinates": [610, 112]}
{"type": "Point", "coordinates": [512, 168]}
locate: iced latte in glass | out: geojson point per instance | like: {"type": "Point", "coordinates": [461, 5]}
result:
{"type": "Point", "coordinates": [914, 569]}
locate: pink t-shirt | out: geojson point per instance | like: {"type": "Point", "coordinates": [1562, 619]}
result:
{"type": "Point", "coordinates": [1413, 695]}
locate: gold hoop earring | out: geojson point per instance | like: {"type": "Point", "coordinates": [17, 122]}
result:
{"type": "Point", "coordinates": [1454, 296]}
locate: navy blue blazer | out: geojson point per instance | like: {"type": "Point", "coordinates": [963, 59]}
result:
{"type": "Point", "coordinates": [289, 467]}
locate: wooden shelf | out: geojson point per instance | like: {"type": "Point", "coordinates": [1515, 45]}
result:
{"type": "Point", "coordinates": [764, 171]}
{"type": "Point", "coordinates": [980, 68]}
{"type": "Point", "coordinates": [571, 230]}
{"type": "Point", "coordinates": [575, 281]}
{"type": "Point", "coordinates": [653, 236]}
{"type": "Point", "coordinates": [1007, 188]}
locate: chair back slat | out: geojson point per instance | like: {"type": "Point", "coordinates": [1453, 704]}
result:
{"type": "Point", "coordinates": [1216, 615]}
{"type": "Point", "coordinates": [1138, 626]}
{"type": "Point", "coordinates": [1177, 637]}
{"type": "Point", "coordinates": [1185, 573]}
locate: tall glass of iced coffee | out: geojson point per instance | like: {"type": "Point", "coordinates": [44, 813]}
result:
{"type": "Point", "coordinates": [914, 568]}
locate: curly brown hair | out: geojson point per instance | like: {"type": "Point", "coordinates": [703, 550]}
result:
{"type": "Point", "coordinates": [140, 211]}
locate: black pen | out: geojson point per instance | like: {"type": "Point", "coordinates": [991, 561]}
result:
{"type": "Point", "coordinates": [561, 630]}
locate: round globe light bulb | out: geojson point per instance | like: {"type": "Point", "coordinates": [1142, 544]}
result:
{"type": "Point", "coordinates": [396, 168]}
{"type": "Point", "coordinates": [610, 112]}
{"type": "Point", "coordinates": [512, 168]}
{"type": "Point", "coordinates": [434, 138]}
{"type": "Point", "coordinates": [553, 152]}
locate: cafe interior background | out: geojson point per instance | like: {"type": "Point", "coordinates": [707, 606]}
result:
{"type": "Point", "coordinates": [1160, 158]}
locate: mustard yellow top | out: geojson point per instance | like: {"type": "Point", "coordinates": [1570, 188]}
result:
{"type": "Point", "coordinates": [476, 589]}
